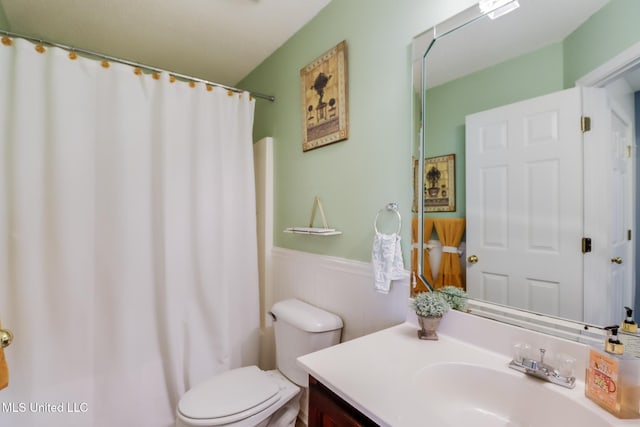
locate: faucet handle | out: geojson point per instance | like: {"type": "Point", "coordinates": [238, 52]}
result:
{"type": "Point", "coordinates": [542, 352]}
{"type": "Point", "coordinates": [527, 364]}
{"type": "Point", "coordinates": [565, 364]}
{"type": "Point", "coordinates": [521, 351]}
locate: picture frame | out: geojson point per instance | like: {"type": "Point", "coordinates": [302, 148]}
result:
{"type": "Point", "coordinates": [440, 184]}
{"type": "Point", "coordinates": [325, 116]}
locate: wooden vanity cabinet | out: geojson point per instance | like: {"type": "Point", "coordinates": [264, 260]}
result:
{"type": "Point", "coordinates": [326, 409]}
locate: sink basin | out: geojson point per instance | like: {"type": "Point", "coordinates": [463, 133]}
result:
{"type": "Point", "coordinates": [458, 394]}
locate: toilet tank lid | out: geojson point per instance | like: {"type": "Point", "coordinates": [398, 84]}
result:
{"type": "Point", "coordinates": [305, 316]}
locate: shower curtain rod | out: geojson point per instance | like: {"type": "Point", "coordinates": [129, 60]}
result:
{"type": "Point", "coordinates": [134, 64]}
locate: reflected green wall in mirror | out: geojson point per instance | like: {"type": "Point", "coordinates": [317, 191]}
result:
{"type": "Point", "coordinates": [589, 46]}
{"type": "Point", "coordinates": [3, 18]}
{"type": "Point", "coordinates": [551, 68]}
{"type": "Point", "coordinates": [498, 85]}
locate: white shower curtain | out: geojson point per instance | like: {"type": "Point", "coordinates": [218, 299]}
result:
{"type": "Point", "coordinates": [128, 253]}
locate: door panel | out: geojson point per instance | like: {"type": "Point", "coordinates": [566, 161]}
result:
{"type": "Point", "coordinates": [524, 204]}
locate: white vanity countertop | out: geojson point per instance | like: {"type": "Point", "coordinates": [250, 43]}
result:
{"type": "Point", "coordinates": [374, 372]}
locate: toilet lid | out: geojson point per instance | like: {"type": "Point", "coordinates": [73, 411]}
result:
{"type": "Point", "coordinates": [235, 394]}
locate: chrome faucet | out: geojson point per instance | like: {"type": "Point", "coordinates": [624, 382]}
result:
{"type": "Point", "coordinates": [540, 369]}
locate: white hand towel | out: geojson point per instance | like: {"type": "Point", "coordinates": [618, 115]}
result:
{"type": "Point", "coordinates": [386, 257]}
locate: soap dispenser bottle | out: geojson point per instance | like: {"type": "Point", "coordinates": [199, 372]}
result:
{"type": "Point", "coordinates": [613, 345]}
{"type": "Point", "coordinates": [628, 324]}
{"type": "Point", "coordinates": [612, 379]}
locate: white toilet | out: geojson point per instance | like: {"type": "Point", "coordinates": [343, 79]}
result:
{"type": "Point", "coordinates": [250, 397]}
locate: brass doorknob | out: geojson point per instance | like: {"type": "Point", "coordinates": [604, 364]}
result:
{"type": "Point", "coordinates": [616, 260]}
{"type": "Point", "coordinates": [472, 259]}
{"type": "Point", "coordinates": [6, 337]}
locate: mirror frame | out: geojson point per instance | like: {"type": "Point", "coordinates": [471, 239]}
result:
{"type": "Point", "coordinates": [555, 326]}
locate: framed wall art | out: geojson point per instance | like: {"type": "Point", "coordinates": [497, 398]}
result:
{"type": "Point", "coordinates": [324, 99]}
{"type": "Point", "coordinates": [440, 184]}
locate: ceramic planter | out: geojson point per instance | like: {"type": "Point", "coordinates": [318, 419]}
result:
{"type": "Point", "coordinates": [428, 327]}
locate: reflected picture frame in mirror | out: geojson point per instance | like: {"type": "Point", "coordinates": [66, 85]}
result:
{"type": "Point", "coordinates": [597, 75]}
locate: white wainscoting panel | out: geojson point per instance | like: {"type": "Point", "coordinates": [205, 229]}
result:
{"type": "Point", "coordinates": [342, 286]}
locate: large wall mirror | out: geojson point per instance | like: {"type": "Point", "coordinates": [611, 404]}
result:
{"type": "Point", "coordinates": [538, 107]}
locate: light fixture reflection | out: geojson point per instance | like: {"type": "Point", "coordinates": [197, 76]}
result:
{"type": "Point", "coordinates": [497, 8]}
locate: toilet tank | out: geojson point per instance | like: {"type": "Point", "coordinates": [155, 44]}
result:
{"type": "Point", "coordinates": [299, 329]}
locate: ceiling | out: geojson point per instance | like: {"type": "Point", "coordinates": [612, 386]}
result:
{"type": "Point", "coordinates": [216, 40]}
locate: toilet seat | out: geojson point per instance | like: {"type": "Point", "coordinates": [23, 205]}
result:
{"type": "Point", "coordinates": [230, 396]}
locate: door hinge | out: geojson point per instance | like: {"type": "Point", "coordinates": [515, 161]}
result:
{"type": "Point", "coordinates": [628, 234]}
{"type": "Point", "coordinates": [586, 245]}
{"type": "Point", "coordinates": [585, 124]}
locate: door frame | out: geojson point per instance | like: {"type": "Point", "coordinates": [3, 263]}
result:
{"type": "Point", "coordinates": [612, 69]}
{"type": "Point", "coordinates": [599, 78]}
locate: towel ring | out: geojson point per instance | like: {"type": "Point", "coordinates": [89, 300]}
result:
{"type": "Point", "coordinates": [391, 207]}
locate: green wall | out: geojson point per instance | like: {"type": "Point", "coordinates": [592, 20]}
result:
{"type": "Point", "coordinates": [357, 177]}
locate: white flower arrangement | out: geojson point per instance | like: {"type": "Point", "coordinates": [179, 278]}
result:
{"type": "Point", "coordinates": [430, 304]}
{"type": "Point", "coordinates": [456, 297]}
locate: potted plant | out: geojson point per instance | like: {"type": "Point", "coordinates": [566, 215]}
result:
{"type": "Point", "coordinates": [456, 297]}
{"type": "Point", "coordinates": [429, 307]}
{"type": "Point", "coordinates": [433, 176]}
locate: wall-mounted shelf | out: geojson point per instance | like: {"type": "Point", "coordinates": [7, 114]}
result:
{"type": "Point", "coordinates": [311, 230]}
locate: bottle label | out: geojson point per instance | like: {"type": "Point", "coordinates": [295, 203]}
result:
{"type": "Point", "coordinates": [602, 380]}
